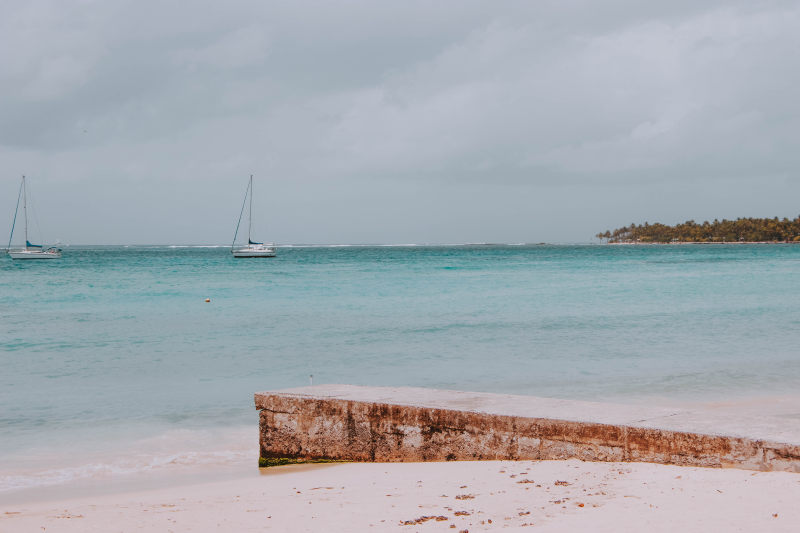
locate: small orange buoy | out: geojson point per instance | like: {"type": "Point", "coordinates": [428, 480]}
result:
{"type": "Point", "coordinates": [208, 300]}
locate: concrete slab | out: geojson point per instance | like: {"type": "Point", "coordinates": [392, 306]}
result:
{"type": "Point", "coordinates": [398, 424]}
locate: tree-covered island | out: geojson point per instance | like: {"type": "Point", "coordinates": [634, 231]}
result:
{"type": "Point", "coordinates": [739, 230]}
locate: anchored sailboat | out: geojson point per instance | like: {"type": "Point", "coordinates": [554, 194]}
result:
{"type": "Point", "coordinates": [30, 251]}
{"type": "Point", "coordinates": [253, 249]}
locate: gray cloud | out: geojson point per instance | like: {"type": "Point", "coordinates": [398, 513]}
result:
{"type": "Point", "coordinates": [419, 121]}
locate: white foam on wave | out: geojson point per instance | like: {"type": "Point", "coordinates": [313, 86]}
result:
{"type": "Point", "coordinates": [351, 245]}
{"type": "Point", "coordinates": [324, 245]}
{"type": "Point", "coordinates": [130, 465]}
{"type": "Point", "coordinates": [383, 245]}
{"type": "Point", "coordinates": [198, 246]}
{"type": "Point", "coordinates": [174, 451]}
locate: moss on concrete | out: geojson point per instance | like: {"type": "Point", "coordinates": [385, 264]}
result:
{"type": "Point", "coordinates": [266, 462]}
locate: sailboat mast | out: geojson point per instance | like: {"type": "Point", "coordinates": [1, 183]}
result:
{"type": "Point", "coordinates": [25, 209]}
{"type": "Point", "coordinates": [16, 212]}
{"type": "Point", "coordinates": [250, 217]}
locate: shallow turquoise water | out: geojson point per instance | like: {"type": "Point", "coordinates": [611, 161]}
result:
{"type": "Point", "coordinates": [116, 344]}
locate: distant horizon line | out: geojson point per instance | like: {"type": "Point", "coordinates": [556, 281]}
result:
{"type": "Point", "coordinates": [331, 245]}
{"type": "Point", "coordinates": [404, 245]}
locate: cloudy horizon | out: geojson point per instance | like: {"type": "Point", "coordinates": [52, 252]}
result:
{"type": "Point", "coordinates": [415, 122]}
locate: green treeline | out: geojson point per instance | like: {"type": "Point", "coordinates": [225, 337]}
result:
{"type": "Point", "coordinates": [739, 230]}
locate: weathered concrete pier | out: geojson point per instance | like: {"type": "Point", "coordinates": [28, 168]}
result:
{"type": "Point", "coordinates": [343, 422]}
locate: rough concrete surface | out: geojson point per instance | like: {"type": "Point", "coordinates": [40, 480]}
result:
{"type": "Point", "coordinates": [344, 422]}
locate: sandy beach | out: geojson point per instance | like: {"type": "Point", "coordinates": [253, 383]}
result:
{"type": "Point", "coordinates": [456, 496]}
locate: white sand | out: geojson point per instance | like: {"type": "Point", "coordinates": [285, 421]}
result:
{"type": "Point", "coordinates": [475, 496]}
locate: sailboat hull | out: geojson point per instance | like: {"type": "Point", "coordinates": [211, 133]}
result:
{"type": "Point", "coordinates": [31, 254]}
{"type": "Point", "coordinates": [253, 251]}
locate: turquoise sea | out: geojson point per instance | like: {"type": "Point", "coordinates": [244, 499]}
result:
{"type": "Point", "coordinates": [114, 365]}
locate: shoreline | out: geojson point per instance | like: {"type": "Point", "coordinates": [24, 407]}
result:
{"type": "Point", "coordinates": [193, 459]}
{"type": "Point", "coordinates": [697, 242]}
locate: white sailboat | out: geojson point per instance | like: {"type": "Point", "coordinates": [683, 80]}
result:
{"type": "Point", "coordinates": [253, 249]}
{"type": "Point", "coordinates": [30, 251]}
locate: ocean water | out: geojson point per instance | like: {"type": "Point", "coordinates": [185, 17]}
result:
{"type": "Point", "coordinates": [114, 365]}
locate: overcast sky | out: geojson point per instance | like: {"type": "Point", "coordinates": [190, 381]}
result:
{"type": "Point", "coordinates": [396, 122]}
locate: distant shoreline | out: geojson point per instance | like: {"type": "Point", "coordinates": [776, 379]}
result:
{"type": "Point", "coordinates": [697, 242]}
{"type": "Point", "coordinates": [740, 231]}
